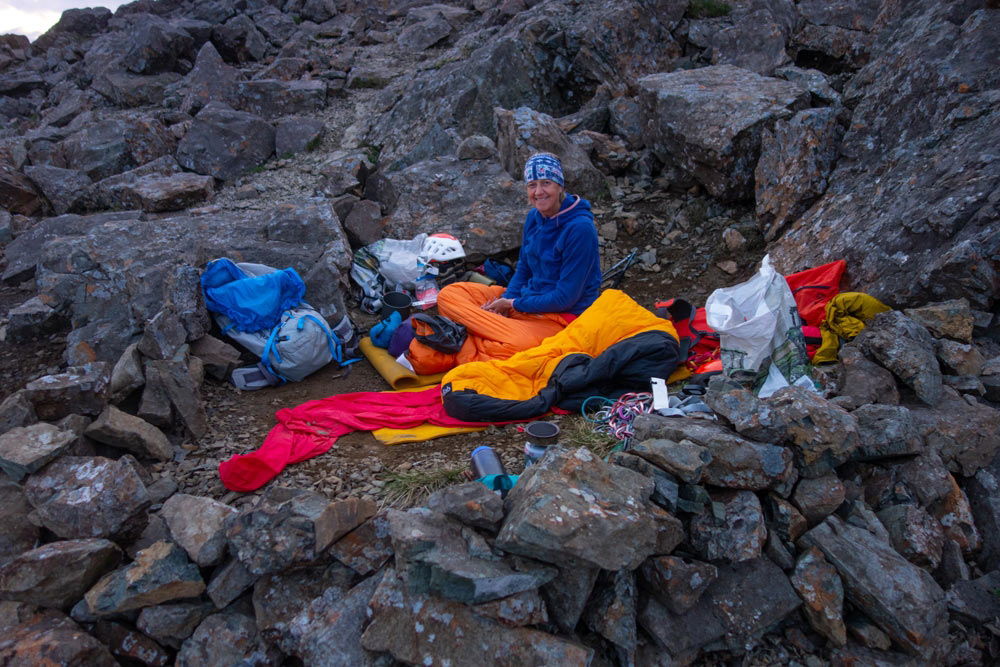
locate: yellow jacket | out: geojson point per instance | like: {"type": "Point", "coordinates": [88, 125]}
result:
{"type": "Point", "coordinates": [846, 315]}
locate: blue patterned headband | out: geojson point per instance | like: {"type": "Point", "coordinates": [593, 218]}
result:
{"type": "Point", "coordinates": [543, 165]}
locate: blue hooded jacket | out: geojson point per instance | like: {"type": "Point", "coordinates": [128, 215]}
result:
{"type": "Point", "coordinates": [559, 268]}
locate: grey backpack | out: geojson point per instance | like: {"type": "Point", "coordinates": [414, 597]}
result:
{"type": "Point", "coordinates": [300, 344]}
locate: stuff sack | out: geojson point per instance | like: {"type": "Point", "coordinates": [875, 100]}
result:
{"type": "Point", "coordinates": [295, 340]}
{"type": "Point", "coordinates": [760, 332]}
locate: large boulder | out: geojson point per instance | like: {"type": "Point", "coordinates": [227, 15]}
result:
{"type": "Point", "coordinates": [58, 574]}
{"type": "Point", "coordinates": [900, 597]}
{"type": "Point", "coordinates": [796, 159]}
{"type": "Point", "coordinates": [272, 97]}
{"type": "Point", "coordinates": [520, 66]}
{"type": "Point", "coordinates": [905, 348]}
{"type": "Point", "coordinates": [752, 36]}
{"type": "Point", "coordinates": [572, 505]}
{"type": "Point", "coordinates": [141, 260]}
{"type": "Point", "coordinates": [52, 638]}
{"type": "Point", "coordinates": [110, 147]}
{"type": "Point", "coordinates": [710, 121]}
{"type": "Point", "coordinates": [411, 626]}
{"type": "Point", "coordinates": [911, 166]}
{"type": "Point", "coordinates": [156, 45]}
{"type": "Point", "coordinates": [60, 186]}
{"type": "Point", "coordinates": [523, 132]}
{"type": "Point", "coordinates": [474, 200]}
{"type": "Point", "coordinates": [225, 143]}
{"type": "Point", "coordinates": [79, 497]}
{"type": "Point", "coordinates": [211, 80]}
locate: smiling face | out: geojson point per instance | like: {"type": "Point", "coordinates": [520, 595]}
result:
{"type": "Point", "coordinates": [546, 196]}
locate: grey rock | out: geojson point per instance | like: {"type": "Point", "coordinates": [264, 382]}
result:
{"type": "Point", "coordinates": [345, 171]}
{"type": "Point", "coordinates": [328, 631]}
{"type": "Point", "coordinates": [174, 192]}
{"type": "Point", "coordinates": [984, 498]}
{"type": "Point", "coordinates": [677, 582]}
{"type": "Point", "coordinates": [783, 518]}
{"type": "Point", "coordinates": [110, 147]}
{"type": "Point", "coordinates": [197, 524]}
{"type": "Point", "coordinates": [182, 390]}
{"type": "Point", "coordinates": [953, 566]}
{"type": "Point", "coordinates": [709, 121]}
{"type": "Point", "coordinates": [754, 40]}
{"type": "Point", "coordinates": [886, 431]}
{"type": "Point", "coordinates": [796, 159]}
{"type": "Point", "coordinates": [278, 598]}
{"type": "Point", "coordinates": [906, 89]}
{"type": "Point", "coordinates": [162, 336]}
{"type": "Point", "coordinates": [965, 434]}
{"type": "Point", "coordinates": [906, 349]}
{"type": "Point", "coordinates": [474, 200]}
{"type": "Point", "coordinates": [437, 556]}
{"type": "Point", "coordinates": [397, 616]}
{"type": "Point", "coordinates": [566, 596]}
{"type": "Point", "coordinates": [156, 45]}
{"type": "Point", "coordinates": [228, 582]}
{"type": "Point", "coordinates": [813, 79]}
{"type": "Point", "coordinates": [959, 358]}
{"type": "Point", "coordinates": [122, 430]}
{"type": "Point", "coordinates": [52, 637]}
{"type": "Point", "coordinates": [298, 529]}
{"type": "Point", "coordinates": [611, 612]}
{"type": "Point", "coordinates": [665, 486]}
{"type": "Point", "coordinates": [914, 533]}
{"type": "Point", "coordinates": [60, 186]}
{"type": "Point", "coordinates": [739, 606]}
{"type": "Point", "coordinates": [976, 599]}
{"type": "Point", "coordinates": [863, 630]}
{"type": "Point", "coordinates": [476, 147]}
{"type": "Point", "coordinates": [19, 534]}
{"type": "Point", "coordinates": [154, 406]}
{"type": "Point", "coordinates": [364, 224]}
{"type": "Point", "coordinates": [366, 548]}
{"type": "Point", "coordinates": [59, 573]}
{"type": "Point", "coordinates": [17, 193]}
{"type": "Point", "coordinates": [218, 357]}
{"type": "Point", "coordinates": [79, 497]}
{"type": "Point", "coordinates": [297, 135]}
{"type": "Point", "coordinates": [160, 573]}
{"type": "Point", "coordinates": [130, 91]}
{"type": "Point", "coordinates": [117, 192]}
{"type": "Point", "coordinates": [33, 319]}
{"type": "Point", "coordinates": [126, 375]}
{"type": "Point", "coordinates": [749, 415]}
{"type": "Point", "coordinates": [573, 505]}
{"type": "Point", "coordinates": [26, 449]}
{"type": "Point", "coordinates": [226, 638]}
{"type": "Point", "coordinates": [425, 34]}
{"type": "Point", "coordinates": [822, 435]}
{"type": "Point", "coordinates": [127, 644]}
{"type": "Point", "coordinates": [523, 132]}
{"type": "Point", "coordinates": [225, 143]}
{"type": "Point", "coordinates": [822, 593]}
{"type": "Point", "coordinates": [273, 97]}
{"type": "Point", "coordinates": [172, 623]}
{"type": "Point", "coordinates": [926, 477]}
{"type": "Point", "coordinates": [900, 597]}
{"type": "Point", "coordinates": [77, 390]}
{"type": "Point", "coordinates": [736, 462]}
{"type": "Point", "coordinates": [946, 319]}
{"type": "Point", "coordinates": [16, 410]}
{"type": "Point", "coordinates": [238, 40]}
{"type": "Point", "coordinates": [738, 535]}
{"type": "Point", "coordinates": [211, 80]}
{"type": "Point", "coordinates": [818, 498]}
{"type": "Point", "coordinates": [685, 459]}
{"type": "Point", "coordinates": [472, 504]}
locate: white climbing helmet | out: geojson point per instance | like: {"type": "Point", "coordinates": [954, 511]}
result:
{"type": "Point", "coordinates": [442, 248]}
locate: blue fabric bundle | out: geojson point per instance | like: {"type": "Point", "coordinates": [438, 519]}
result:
{"type": "Point", "coordinates": [252, 303]}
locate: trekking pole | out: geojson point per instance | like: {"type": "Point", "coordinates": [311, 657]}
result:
{"type": "Point", "coordinates": [613, 277]}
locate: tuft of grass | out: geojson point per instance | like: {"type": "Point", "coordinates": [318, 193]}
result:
{"type": "Point", "coordinates": [314, 143]}
{"type": "Point", "coordinates": [408, 488]}
{"type": "Point", "coordinates": [372, 152]}
{"type": "Point", "coordinates": [707, 9]}
{"type": "Point", "coordinates": [581, 433]}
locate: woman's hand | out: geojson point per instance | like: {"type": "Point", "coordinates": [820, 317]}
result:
{"type": "Point", "coordinates": [500, 306]}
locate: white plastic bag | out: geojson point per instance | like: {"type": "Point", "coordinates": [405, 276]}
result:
{"type": "Point", "coordinates": [760, 332]}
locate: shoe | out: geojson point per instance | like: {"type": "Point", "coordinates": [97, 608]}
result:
{"type": "Point", "coordinates": [252, 378]}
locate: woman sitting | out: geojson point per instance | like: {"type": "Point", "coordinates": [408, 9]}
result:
{"type": "Point", "coordinates": [558, 276]}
